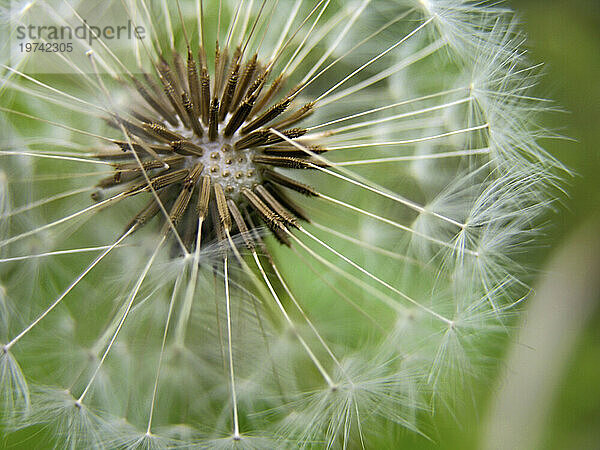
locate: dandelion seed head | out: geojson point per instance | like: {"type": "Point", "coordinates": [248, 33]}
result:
{"type": "Point", "coordinates": [267, 224]}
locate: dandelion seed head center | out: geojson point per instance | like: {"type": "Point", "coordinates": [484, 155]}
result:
{"type": "Point", "coordinates": [233, 169]}
{"type": "Point", "coordinates": [207, 145]}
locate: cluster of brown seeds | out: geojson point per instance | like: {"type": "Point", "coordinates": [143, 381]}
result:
{"type": "Point", "coordinates": [207, 151]}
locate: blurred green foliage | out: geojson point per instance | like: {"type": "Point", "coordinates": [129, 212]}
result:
{"type": "Point", "coordinates": [566, 37]}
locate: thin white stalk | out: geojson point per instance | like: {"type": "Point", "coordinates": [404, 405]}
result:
{"type": "Point", "coordinates": [442, 155]}
{"type": "Point", "coordinates": [357, 12]}
{"type": "Point", "coordinates": [374, 59]}
{"type": "Point", "coordinates": [415, 57]}
{"type": "Point", "coordinates": [291, 38]}
{"type": "Point", "coordinates": [83, 43]}
{"type": "Point", "coordinates": [169, 24]}
{"type": "Point", "coordinates": [385, 193]}
{"type": "Point", "coordinates": [219, 20]}
{"type": "Point", "coordinates": [370, 134]}
{"type": "Point", "coordinates": [162, 349]}
{"type": "Point", "coordinates": [373, 277]}
{"type": "Point", "coordinates": [310, 353]}
{"type": "Point", "coordinates": [55, 253]}
{"type": "Point", "coordinates": [343, 296]}
{"type": "Point", "coordinates": [412, 141]}
{"type": "Point", "coordinates": [394, 224]}
{"type": "Point", "coordinates": [53, 100]}
{"type": "Point", "coordinates": [61, 220]}
{"type": "Point", "coordinates": [266, 26]}
{"type": "Point", "coordinates": [189, 293]}
{"type": "Point", "coordinates": [45, 201]}
{"type": "Point", "coordinates": [52, 89]}
{"type": "Point", "coordinates": [360, 431]}
{"type": "Point", "coordinates": [286, 29]}
{"type": "Point", "coordinates": [99, 39]}
{"type": "Point", "coordinates": [304, 315]}
{"type": "Point", "coordinates": [200, 17]}
{"type": "Point", "coordinates": [386, 300]}
{"type": "Point", "coordinates": [366, 184]}
{"type": "Point", "coordinates": [383, 108]}
{"type": "Point", "coordinates": [236, 425]}
{"type": "Point", "coordinates": [364, 244]}
{"type": "Point", "coordinates": [56, 124]}
{"type": "Point", "coordinates": [132, 297]}
{"type": "Point", "coordinates": [54, 177]}
{"type": "Point", "coordinates": [260, 286]}
{"type": "Point", "coordinates": [245, 24]}
{"type": "Point", "coordinates": [308, 80]}
{"type": "Point", "coordinates": [234, 23]}
{"type": "Point", "coordinates": [393, 117]}
{"type": "Point", "coordinates": [321, 33]}
{"type": "Point", "coordinates": [306, 36]}
{"type": "Point", "coordinates": [49, 156]}
{"type": "Point", "coordinates": [66, 291]}
{"type": "Point", "coordinates": [151, 21]}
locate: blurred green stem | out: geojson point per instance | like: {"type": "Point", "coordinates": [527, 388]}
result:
{"type": "Point", "coordinates": [565, 297]}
